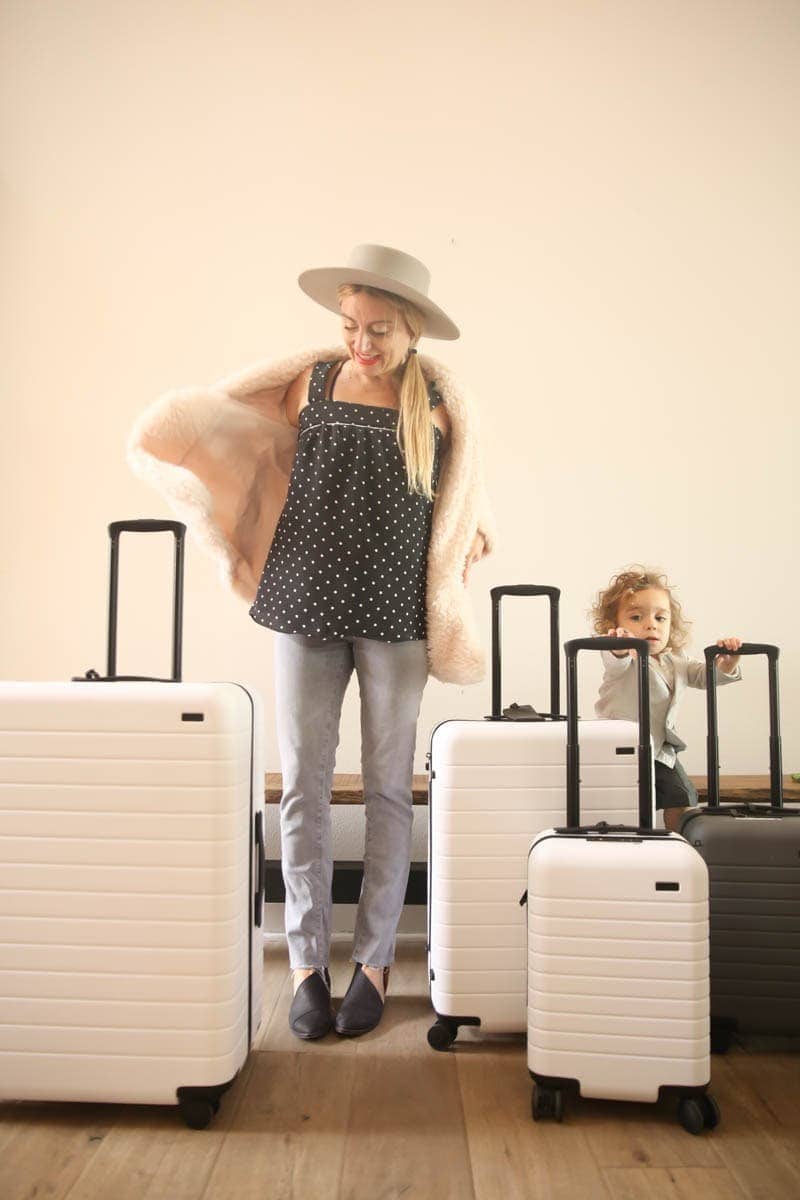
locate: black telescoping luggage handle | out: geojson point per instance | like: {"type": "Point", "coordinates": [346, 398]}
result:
{"type": "Point", "coordinates": [525, 589]}
{"type": "Point", "coordinates": [143, 525]}
{"type": "Point", "coordinates": [712, 653]}
{"type": "Point", "coordinates": [573, 752]}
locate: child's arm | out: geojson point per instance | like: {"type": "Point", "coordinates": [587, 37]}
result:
{"type": "Point", "coordinates": [727, 665]}
{"type": "Point", "coordinates": [616, 664]}
{"type": "Point", "coordinates": [617, 693]}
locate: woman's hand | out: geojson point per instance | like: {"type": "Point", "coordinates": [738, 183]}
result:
{"type": "Point", "coordinates": [729, 662]}
{"type": "Point", "coordinates": [476, 553]}
{"type": "Point", "coordinates": [620, 632]}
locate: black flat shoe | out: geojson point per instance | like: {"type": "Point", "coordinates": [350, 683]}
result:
{"type": "Point", "coordinates": [311, 1014]}
{"type": "Point", "coordinates": [362, 1007]}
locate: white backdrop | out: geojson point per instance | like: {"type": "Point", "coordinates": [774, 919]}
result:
{"type": "Point", "coordinates": [607, 197]}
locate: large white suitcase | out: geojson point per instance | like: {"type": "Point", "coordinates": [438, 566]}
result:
{"type": "Point", "coordinates": [618, 964]}
{"type": "Point", "coordinates": [131, 858]}
{"type": "Point", "coordinates": [494, 784]}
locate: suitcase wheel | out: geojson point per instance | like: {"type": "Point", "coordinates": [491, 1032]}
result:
{"type": "Point", "coordinates": [697, 1113]}
{"type": "Point", "coordinates": [547, 1102]}
{"type": "Point", "coordinates": [712, 1112]}
{"type": "Point", "coordinates": [442, 1034]}
{"type": "Point", "coordinates": [198, 1111]}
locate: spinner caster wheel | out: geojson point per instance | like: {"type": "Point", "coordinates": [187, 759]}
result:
{"type": "Point", "coordinates": [697, 1113]}
{"type": "Point", "coordinates": [710, 1111]}
{"type": "Point", "coordinates": [198, 1113]}
{"type": "Point", "coordinates": [441, 1035]}
{"type": "Point", "coordinates": [691, 1115]}
{"type": "Point", "coordinates": [547, 1102]}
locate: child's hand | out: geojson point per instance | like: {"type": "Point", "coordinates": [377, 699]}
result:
{"type": "Point", "coordinates": [729, 662]}
{"type": "Point", "coordinates": [621, 633]}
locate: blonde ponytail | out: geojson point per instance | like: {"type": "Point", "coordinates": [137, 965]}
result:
{"type": "Point", "coordinates": [415, 435]}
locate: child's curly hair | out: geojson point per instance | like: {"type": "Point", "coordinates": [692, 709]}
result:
{"type": "Point", "coordinates": [635, 579]}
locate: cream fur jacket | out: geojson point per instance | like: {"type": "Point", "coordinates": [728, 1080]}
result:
{"type": "Point", "coordinates": [222, 457]}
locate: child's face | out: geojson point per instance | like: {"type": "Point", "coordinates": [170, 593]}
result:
{"type": "Point", "coordinates": [646, 614]}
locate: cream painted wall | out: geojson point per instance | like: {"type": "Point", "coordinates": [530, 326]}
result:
{"type": "Point", "coordinates": [607, 196]}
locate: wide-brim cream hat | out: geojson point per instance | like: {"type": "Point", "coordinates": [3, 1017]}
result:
{"type": "Point", "coordinates": [387, 269]}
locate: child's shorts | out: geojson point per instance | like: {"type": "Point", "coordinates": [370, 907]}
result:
{"type": "Point", "coordinates": [674, 788]}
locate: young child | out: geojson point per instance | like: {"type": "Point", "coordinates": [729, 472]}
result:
{"type": "Point", "coordinates": [639, 603]}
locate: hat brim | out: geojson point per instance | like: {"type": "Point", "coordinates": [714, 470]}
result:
{"type": "Point", "coordinates": [321, 284]}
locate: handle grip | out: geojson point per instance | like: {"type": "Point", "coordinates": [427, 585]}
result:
{"type": "Point", "coordinates": [605, 643]}
{"type": "Point", "coordinates": [772, 653]}
{"type": "Point", "coordinates": [146, 525]}
{"type": "Point", "coordinates": [525, 589]}
{"type": "Point", "coordinates": [643, 750]}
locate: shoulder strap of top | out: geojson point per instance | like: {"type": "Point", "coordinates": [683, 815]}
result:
{"type": "Point", "coordinates": [316, 384]}
{"type": "Point", "coordinates": [323, 377]}
{"type": "Point", "coordinates": [332, 375]}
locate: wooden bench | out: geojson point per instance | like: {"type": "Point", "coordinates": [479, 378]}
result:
{"type": "Point", "coordinates": [734, 788]}
{"type": "Point", "coordinates": [747, 789]}
{"type": "Point", "coordinates": [347, 789]}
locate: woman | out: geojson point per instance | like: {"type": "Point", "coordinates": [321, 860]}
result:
{"type": "Point", "coordinates": [365, 555]}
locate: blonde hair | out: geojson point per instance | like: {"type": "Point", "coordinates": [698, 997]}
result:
{"type": "Point", "coordinates": [636, 579]}
{"type": "Point", "coordinates": [415, 436]}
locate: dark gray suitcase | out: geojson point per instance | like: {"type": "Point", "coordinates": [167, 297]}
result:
{"type": "Point", "coordinates": [753, 857]}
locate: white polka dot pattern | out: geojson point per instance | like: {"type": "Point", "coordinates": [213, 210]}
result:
{"type": "Point", "coordinates": [350, 551]}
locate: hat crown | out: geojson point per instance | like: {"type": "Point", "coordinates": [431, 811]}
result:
{"type": "Point", "coordinates": [393, 264]}
{"type": "Point", "coordinates": [388, 270]}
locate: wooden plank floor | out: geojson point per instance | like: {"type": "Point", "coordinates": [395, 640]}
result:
{"type": "Point", "coordinates": [383, 1116]}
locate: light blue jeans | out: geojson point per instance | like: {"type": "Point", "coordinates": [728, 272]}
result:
{"type": "Point", "coordinates": [311, 676]}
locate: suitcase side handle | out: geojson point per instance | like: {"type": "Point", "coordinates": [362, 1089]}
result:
{"type": "Point", "coordinates": [571, 649]}
{"type": "Point", "coordinates": [261, 869]}
{"type": "Point", "coordinates": [146, 525]}
{"type": "Point", "coordinates": [525, 589]}
{"type": "Point", "coordinates": [712, 653]}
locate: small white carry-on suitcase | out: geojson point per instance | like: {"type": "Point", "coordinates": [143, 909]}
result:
{"type": "Point", "coordinates": [618, 990]}
{"type": "Point", "coordinates": [131, 855]}
{"type": "Point", "coordinates": [494, 784]}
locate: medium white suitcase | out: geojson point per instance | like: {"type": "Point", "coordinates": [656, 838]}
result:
{"type": "Point", "coordinates": [131, 855]}
{"type": "Point", "coordinates": [618, 964]}
{"type": "Point", "coordinates": [494, 784]}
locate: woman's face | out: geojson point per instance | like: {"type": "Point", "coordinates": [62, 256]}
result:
{"type": "Point", "coordinates": [375, 334]}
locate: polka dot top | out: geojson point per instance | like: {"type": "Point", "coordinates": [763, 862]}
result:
{"type": "Point", "coordinates": [349, 555]}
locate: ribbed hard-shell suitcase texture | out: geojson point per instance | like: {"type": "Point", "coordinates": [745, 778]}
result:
{"type": "Point", "coordinates": [494, 786]}
{"type": "Point", "coordinates": [128, 964]}
{"type": "Point", "coordinates": [618, 964]}
{"type": "Point", "coordinates": [754, 870]}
